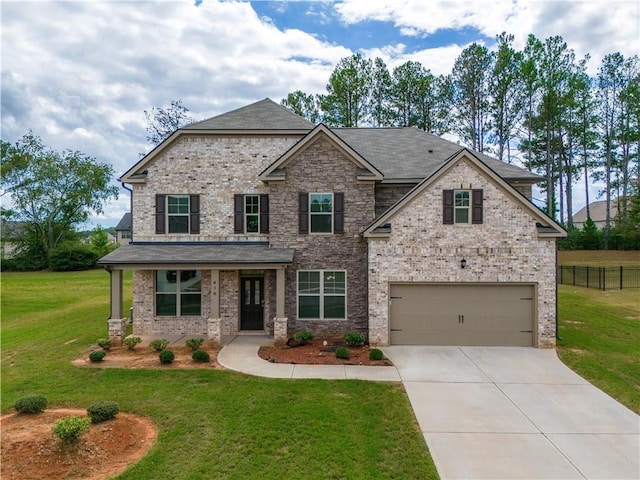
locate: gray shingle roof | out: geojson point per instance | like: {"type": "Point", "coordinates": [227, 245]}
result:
{"type": "Point", "coordinates": [263, 115]}
{"type": "Point", "coordinates": [410, 153]}
{"type": "Point", "coordinates": [125, 222]}
{"type": "Point", "coordinates": [197, 253]}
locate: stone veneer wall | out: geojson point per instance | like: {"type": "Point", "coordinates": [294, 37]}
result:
{"type": "Point", "coordinates": [505, 248]}
{"type": "Point", "coordinates": [214, 167]}
{"type": "Point", "coordinates": [322, 168]}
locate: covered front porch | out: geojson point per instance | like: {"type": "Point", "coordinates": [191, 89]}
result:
{"type": "Point", "coordinates": [209, 289]}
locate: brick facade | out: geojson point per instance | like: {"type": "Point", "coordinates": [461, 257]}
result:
{"type": "Point", "coordinates": [504, 248]}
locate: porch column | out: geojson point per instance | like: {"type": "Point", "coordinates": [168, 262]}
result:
{"type": "Point", "coordinates": [116, 294]}
{"type": "Point", "coordinates": [280, 322]}
{"type": "Point", "coordinates": [214, 322]}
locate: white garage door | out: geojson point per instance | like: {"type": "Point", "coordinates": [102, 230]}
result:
{"type": "Point", "coordinates": [462, 314]}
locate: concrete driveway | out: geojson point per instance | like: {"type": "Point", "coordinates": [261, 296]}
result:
{"type": "Point", "coordinates": [515, 413]}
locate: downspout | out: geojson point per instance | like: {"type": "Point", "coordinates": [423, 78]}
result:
{"type": "Point", "coordinates": [130, 190]}
{"type": "Point", "coordinates": [558, 337]}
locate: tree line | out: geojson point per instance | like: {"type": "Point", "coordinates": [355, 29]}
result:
{"type": "Point", "coordinates": [537, 107]}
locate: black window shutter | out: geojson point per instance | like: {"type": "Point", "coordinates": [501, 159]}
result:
{"type": "Point", "coordinates": [264, 213]}
{"type": "Point", "coordinates": [476, 206]}
{"type": "Point", "coordinates": [304, 212]}
{"type": "Point", "coordinates": [338, 212]}
{"type": "Point", "coordinates": [447, 207]}
{"type": "Point", "coordinates": [194, 214]}
{"type": "Point", "coordinates": [238, 213]}
{"type": "Point", "coordinates": [160, 214]}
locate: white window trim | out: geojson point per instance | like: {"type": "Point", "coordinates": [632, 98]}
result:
{"type": "Point", "coordinates": [177, 294]}
{"type": "Point", "coordinates": [321, 294]}
{"type": "Point", "coordinates": [456, 208]}
{"type": "Point", "coordinates": [311, 214]}
{"type": "Point", "coordinates": [188, 214]}
{"type": "Point", "coordinates": [245, 214]}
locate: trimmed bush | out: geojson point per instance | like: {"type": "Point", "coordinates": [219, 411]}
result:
{"type": "Point", "coordinates": [105, 343]}
{"type": "Point", "coordinates": [159, 345]}
{"type": "Point", "coordinates": [72, 256]}
{"type": "Point", "coordinates": [354, 339]}
{"type": "Point", "coordinates": [31, 404]}
{"type": "Point", "coordinates": [200, 356]}
{"type": "Point", "coordinates": [195, 343]}
{"type": "Point", "coordinates": [70, 429]}
{"type": "Point", "coordinates": [102, 411]}
{"type": "Point", "coordinates": [343, 353]}
{"type": "Point", "coordinates": [97, 355]}
{"type": "Point", "coordinates": [166, 357]}
{"type": "Point", "coordinates": [303, 337]}
{"type": "Point", "coordinates": [375, 354]}
{"type": "Point", "coordinates": [131, 342]}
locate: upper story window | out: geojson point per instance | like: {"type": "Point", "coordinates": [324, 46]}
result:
{"type": "Point", "coordinates": [177, 214]}
{"type": "Point", "coordinates": [321, 212]}
{"type": "Point", "coordinates": [251, 213]}
{"type": "Point", "coordinates": [462, 206]}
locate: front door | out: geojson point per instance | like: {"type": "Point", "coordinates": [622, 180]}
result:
{"type": "Point", "coordinates": [252, 303]}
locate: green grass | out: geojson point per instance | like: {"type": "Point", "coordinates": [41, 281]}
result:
{"type": "Point", "coordinates": [212, 424]}
{"type": "Point", "coordinates": [600, 258]}
{"type": "Point", "coordinates": [600, 339]}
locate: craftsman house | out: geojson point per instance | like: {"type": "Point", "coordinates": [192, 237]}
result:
{"type": "Point", "coordinates": [259, 221]}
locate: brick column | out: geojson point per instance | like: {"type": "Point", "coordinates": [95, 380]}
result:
{"type": "Point", "coordinates": [214, 330]}
{"type": "Point", "coordinates": [280, 330]}
{"type": "Point", "coordinates": [117, 329]}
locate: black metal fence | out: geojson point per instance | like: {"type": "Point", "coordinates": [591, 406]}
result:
{"type": "Point", "coordinates": [602, 278]}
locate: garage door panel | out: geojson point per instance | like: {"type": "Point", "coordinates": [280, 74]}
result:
{"type": "Point", "coordinates": [461, 314]}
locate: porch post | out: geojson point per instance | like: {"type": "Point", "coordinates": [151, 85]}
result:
{"type": "Point", "coordinates": [214, 322]}
{"type": "Point", "coordinates": [116, 294]}
{"type": "Point", "coordinates": [280, 322]}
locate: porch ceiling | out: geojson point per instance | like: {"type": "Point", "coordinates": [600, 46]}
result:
{"type": "Point", "coordinates": [192, 254]}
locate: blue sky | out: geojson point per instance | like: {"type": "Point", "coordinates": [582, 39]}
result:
{"type": "Point", "coordinates": [80, 74]}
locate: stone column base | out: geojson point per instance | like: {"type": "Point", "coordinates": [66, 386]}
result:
{"type": "Point", "coordinates": [280, 331]}
{"type": "Point", "coordinates": [117, 328]}
{"type": "Point", "coordinates": [214, 330]}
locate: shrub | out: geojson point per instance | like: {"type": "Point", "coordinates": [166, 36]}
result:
{"type": "Point", "coordinates": [343, 353]}
{"type": "Point", "coordinates": [195, 343]}
{"type": "Point", "coordinates": [102, 411]}
{"type": "Point", "coordinates": [97, 355]}
{"type": "Point", "coordinates": [166, 357]}
{"type": "Point", "coordinates": [159, 345]}
{"type": "Point", "coordinates": [31, 404]}
{"type": "Point", "coordinates": [200, 356]}
{"type": "Point", "coordinates": [354, 339]}
{"type": "Point", "coordinates": [72, 256]}
{"type": "Point", "coordinates": [375, 354]}
{"type": "Point", "coordinates": [70, 429]}
{"type": "Point", "coordinates": [105, 343]}
{"type": "Point", "coordinates": [131, 342]}
{"type": "Point", "coordinates": [303, 337]}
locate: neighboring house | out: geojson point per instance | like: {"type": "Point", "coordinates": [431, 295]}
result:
{"type": "Point", "coordinates": [259, 221]}
{"type": "Point", "coordinates": [8, 237]}
{"type": "Point", "coordinates": [123, 229]}
{"type": "Point", "coordinates": [598, 213]}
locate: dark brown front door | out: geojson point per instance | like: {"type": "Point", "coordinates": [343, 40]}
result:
{"type": "Point", "coordinates": [252, 303]}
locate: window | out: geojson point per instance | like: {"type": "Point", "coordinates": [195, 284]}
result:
{"type": "Point", "coordinates": [251, 213]}
{"type": "Point", "coordinates": [321, 212]}
{"type": "Point", "coordinates": [126, 233]}
{"type": "Point", "coordinates": [322, 294]}
{"type": "Point", "coordinates": [462, 206]}
{"type": "Point", "coordinates": [177, 214]}
{"type": "Point", "coordinates": [178, 292]}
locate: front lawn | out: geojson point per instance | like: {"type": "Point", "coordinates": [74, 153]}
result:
{"type": "Point", "coordinates": [600, 339]}
{"type": "Point", "coordinates": [212, 424]}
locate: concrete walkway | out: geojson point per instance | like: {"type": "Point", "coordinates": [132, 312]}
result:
{"type": "Point", "coordinates": [490, 412]}
{"type": "Point", "coordinates": [509, 413]}
{"type": "Point", "coordinates": [240, 354]}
